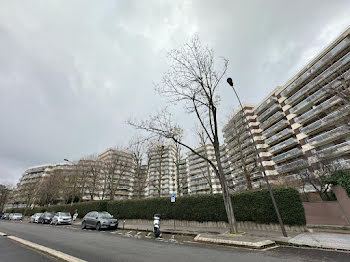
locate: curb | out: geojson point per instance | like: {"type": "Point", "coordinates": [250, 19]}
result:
{"type": "Point", "coordinates": [52, 252]}
{"type": "Point", "coordinates": [255, 245]}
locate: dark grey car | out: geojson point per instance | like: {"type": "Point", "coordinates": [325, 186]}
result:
{"type": "Point", "coordinates": [99, 220]}
{"type": "Point", "coordinates": [45, 218]}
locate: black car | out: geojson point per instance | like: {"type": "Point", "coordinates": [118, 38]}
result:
{"type": "Point", "coordinates": [1, 214]}
{"type": "Point", "coordinates": [46, 218]}
{"type": "Point", "coordinates": [99, 220]}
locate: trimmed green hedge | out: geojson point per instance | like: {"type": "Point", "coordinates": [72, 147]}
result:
{"type": "Point", "coordinates": [255, 206]}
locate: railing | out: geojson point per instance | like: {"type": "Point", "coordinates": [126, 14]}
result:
{"type": "Point", "coordinates": [292, 165]}
{"type": "Point", "coordinates": [308, 101]}
{"type": "Point", "coordinates": [327, 136]}
{"type": "Point", "coordinates": [287, 155]}
{"type": "Point", "coordinates": [319, 78]}
{"type": "Point", "coordinates": [272, 119]}
{"type": "Point", "coordinates": [279, 135]}
{"type": "Point", "coordinates": [325, 121]}
{"type": "Point", "coordinates": [282, 145]}
{"type": "Point", "coordinates": [279, 125]}
{"type": "Point", "coordinates": [318, 109]}
{"type": "Point", "coordinates": [316, 66]}
{"type": "Point", "coordinates": [336, 149]}
{"type": "Point", "coordinates": [268, 112]}
{"type": "Point", "coordinates": [267, 103]}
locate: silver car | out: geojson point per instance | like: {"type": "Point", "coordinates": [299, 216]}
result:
{"type": "Point", "coordinates": [99, 220]}
{"type": "Point", "coordinates": [16, 216]}
{"type": "Point", "coordinates": [34, 218]}
{"type": "Point", "coordinates": [61, 218]}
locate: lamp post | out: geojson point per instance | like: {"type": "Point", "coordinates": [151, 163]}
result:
{"type": "Point", "coordinates": [262, 169]}
{"type": "Point", "coordinates": [71, 201]}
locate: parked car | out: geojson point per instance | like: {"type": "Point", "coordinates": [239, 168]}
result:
{"type": "Point", "coordinates": [6, 216]}
{"type": "Point", "coordinates": [99, 220]}
{"type": "Point", "coordinates": [16, 216]}
{"type": "Point", "coordinates": [10, 216]}
{"type": "Point", "coordinates": [62, 218]}
{"type": "Point", "coordinates": [34, 218]}
{"type": "Point", "coordinates": [1, 214]}
{"type": "Point", "coordinates": [46, 217]}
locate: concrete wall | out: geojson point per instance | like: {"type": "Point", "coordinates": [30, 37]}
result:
{"type": "Point", "coordinates": [329, 212]}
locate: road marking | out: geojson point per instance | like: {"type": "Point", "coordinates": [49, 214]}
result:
{"type": "Point", "coordinates": [3, 234]}
{"type": "Point", "coordinates": [50, 251]}
{"type": "Point", "coordinates": [138, 233]}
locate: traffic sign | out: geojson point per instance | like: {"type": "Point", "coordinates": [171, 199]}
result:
{"type": "Point", "coordinates": [172, 197]}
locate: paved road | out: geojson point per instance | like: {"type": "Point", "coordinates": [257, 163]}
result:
{"type": "Point", "coordinates": [111, 246]}
{"type": "Point", "coordinates": [11, 251]}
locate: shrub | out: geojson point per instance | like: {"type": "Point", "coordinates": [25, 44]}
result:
{"type": "Point", "coordinates": [253, 206]}
{"type": "Point", "coordinates": [340, 177]}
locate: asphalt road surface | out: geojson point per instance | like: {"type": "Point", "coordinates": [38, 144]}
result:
{"type": "Point", "coordinates": [91, 245]}
{"type": "Point", "coordinates": [12, 251]}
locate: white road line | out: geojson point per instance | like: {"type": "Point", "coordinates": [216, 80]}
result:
{"type": "Point", "coordinates": [3, 234]}
{"type": "Point", "coordinates": [138, 233]}
{"type": "Point", "coordinates": [50, 251]}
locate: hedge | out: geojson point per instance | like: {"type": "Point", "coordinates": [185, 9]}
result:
{"type": "Point", "coordinates": [255, 206]}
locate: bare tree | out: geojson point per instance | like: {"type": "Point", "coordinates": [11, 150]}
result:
{"type": "Point", "coordinates": [203, 139]}
{"type": "Point", "coordinates": [139, 153]}
{"type": "Point", "coordinates": [94, 168]}
{"type": "Point", "coordinates": [4, 195]}
{"type": "Point", "coordinates": [49, 189]}
{"type": "Point", "coordinates": [193, 79]}
{"type": "Point", "coordinates": [156, 177]}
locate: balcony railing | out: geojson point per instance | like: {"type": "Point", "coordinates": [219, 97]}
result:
{"type": "Point", "coordinates": [276, 148]}
{"type": "Point", "coordinates": [276, 127]}
{"type": "Point", "coordinates": [318, 109]}
{"type": "Point", "coordinates": [319, 78]}
{"type": "Point", "coordinates": [287, 155]}
{"type": "Point", "coordinates": [267, 103]}
{"type": "Point", "coordinates": [279, 136]}
{"type": "Point", "coordinates": [324, 138]}
{"type": "Point", "coordinates": [272, 119]}
{"type": "Point", "coordinates": [268, 112]}
{"type": "Point", "coordinates": [316, 66]}
{"type": "Point", "coordinates": [335, 150]}
{"type": "Point", "coordinates": [300, 163]}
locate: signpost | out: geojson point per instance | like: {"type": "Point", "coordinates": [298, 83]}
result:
{"type": "Point", "coordinates": [172, 200]}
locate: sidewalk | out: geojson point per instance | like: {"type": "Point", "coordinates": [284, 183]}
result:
{"type": "Point", "coordinates": [250, 238]}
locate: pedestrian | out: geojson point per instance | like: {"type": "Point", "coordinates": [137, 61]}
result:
{"type": "Point", "coordinates": [75, 215]}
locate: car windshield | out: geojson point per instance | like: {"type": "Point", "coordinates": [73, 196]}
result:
{"type": "Point", "coordinates": [105, 215]}
{"type": "Point", "coordinates": [17, 214]}
{"type": "Point", "coordinates": [38, 214]}
{"type": "Point", "coordinates": [63, 214]}
{"type": "Point", "coordinates": [49, 214]}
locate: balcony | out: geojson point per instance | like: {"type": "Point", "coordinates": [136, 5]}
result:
{"type": "Point", "coordinates": [275, 128]}
{"type": "Point", "coordinates": [335, 150]}
{"type": "Point", "coordinates": [284, 145]}
{"type": "Point", "coordinates": [268, 112]}
{"type": "Point", "coordinates": [330, 119]}
{"type": "Point", "coordinates": [287, 155]}
{"type": "Point", "coordinates": [279, 136]}
{"type": "Point", "coordinates": [328, 136]}
{"type": "Point", "coordinates": [316, 66]}
{"type": "Point", "coordinates": [312, 84]}
{"type": "Point", "coordinates": [318, 109]}
{"type": "Point", "coordinates": [267, 103]}
{"type": "Point", "coordinates": [271, 120]}
{"type": "Point", "coordinates": [300, 163]}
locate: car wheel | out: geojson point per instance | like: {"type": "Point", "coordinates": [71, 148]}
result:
{"type": "Point", "coordinates": [83, 225]}
{"type": "Point", "coordinates": [98, 226]}
{"type": "Point", "coordinates": [43, 222]}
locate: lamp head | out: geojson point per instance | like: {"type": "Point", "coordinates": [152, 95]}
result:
{"type": "Point", "coordinates": [229, 81]}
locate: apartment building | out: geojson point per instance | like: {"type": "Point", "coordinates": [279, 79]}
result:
{"type": "Point", "coordinates": [162, 180]}
{"type": "Point", "coordinates": [201, 176]}
{"type": "Point", "coordinates": [118, 168]}
{"type": "Point", "coordinates": [301, 125]}
{"type": "Point", "coordinates": [239, 158]}
{"type": "Point", "coordinates": [183, 177]}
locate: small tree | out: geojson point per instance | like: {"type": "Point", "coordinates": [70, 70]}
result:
{"type": "Point", "coordinates": [193, 79]}
{"type": "Point", "coordinates": [4, 195]}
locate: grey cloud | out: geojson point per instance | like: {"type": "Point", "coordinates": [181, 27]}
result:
{"type": "Point", "coordinates": [71, 74]}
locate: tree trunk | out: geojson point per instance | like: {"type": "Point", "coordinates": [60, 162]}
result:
{"type": "Point", "coordinates": [225, 192]}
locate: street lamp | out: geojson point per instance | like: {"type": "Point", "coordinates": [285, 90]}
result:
{"type": "Point", "coordinates": [262, 169]}
{"type": "Point", "coordinates": [71, 201]}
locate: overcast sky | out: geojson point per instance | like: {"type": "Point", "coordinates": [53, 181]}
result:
{"type": "Point", "coordinates": [72, 72]}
